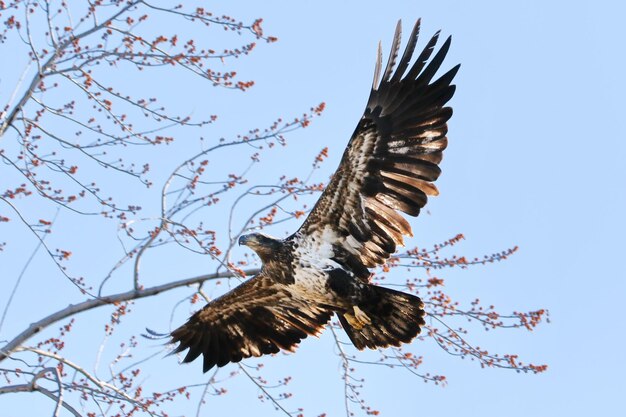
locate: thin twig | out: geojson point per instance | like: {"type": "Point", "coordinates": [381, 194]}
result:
{"type": "Point", "coordinates": [267, 394]}
{"type": "Point", "coordinates": [21, 275]}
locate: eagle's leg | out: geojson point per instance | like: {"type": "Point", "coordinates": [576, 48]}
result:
{"type": "Point", "coordinates": [359, 319]}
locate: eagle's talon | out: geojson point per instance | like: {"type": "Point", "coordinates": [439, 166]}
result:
{"type": "Point", "coordinates": [359, 319]}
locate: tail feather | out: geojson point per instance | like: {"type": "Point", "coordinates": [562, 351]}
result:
{"type": "Point", "coordinates": [384, 317]}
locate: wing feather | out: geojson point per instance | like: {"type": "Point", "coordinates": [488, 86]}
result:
{"type": "Point", "coordinates": [377, 68]}
{"type": "Point", "coordinates": [391, 161]}
{"type": "Point", "coordinates": [393, 53]}
{"type": "Point", "coordinates": [258, 317]}
{"type": "Point", "coordinates": [408, 52]}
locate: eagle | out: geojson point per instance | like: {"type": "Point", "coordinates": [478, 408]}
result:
{"type": "Point", "coordinates": [388, 168]}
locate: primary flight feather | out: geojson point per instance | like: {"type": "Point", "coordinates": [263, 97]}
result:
{"type": "Point", "coordinates": [323, 269]}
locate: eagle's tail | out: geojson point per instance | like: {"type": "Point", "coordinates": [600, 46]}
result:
{"type": "Point", "coordinates": [383, 318]}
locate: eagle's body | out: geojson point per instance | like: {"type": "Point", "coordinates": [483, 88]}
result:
{"type": "Point", "coordinates": [323, 269]}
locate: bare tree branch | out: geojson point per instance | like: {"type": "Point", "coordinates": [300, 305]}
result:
{"type": "Point", "coordinates": [33, 386]}
{"type": "Point", "coordinates": [74, 309]}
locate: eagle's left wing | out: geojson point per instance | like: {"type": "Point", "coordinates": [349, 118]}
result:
{"type": "Point", "coordinates": [390, 163]}
{"type": "Point", "coordinates": [258, 317]}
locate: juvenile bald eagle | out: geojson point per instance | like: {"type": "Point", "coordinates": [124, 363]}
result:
{"type": "Point", "coordinates": [323, 269]}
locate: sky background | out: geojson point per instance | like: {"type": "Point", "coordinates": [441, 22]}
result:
{"type": "Point", "coordinates": [536, 158]}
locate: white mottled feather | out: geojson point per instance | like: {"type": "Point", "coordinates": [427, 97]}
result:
{"type": "Point", "coordinates": [313, 255]}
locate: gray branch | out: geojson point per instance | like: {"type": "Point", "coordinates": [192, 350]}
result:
{"type": "Point", "coordinates": [74, 309]}
{"type": "Point", "coordinates": [34, 387]}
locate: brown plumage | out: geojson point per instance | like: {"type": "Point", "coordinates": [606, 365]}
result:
{"type": "Point", "coordinates": [391, 159]}
{"type": "Point", "coordinates": [387, 168]}
{"type": "Point", "coordinates": [258, 317]}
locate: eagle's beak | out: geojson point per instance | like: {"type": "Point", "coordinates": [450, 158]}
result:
{"type": "Point", "coordinates": [243, 239]}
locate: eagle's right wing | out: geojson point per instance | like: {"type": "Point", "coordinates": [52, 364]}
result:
{"type": "Point", "coordinates": [258, 317]}
{"type": "Point", "coordinates": [390, 163]}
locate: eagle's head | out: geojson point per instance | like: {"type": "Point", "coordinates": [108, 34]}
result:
{"type": "Point", "coordinates": [265, 246]}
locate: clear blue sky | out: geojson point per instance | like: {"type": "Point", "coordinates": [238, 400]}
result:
{"type": "Point", "coordinates": [536, 159]}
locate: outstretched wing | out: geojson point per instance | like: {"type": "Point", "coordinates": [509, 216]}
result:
{"type": "Point", "coordinates": [258, 317]}
{"type": "Point", "coordinates": [390, 162]}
